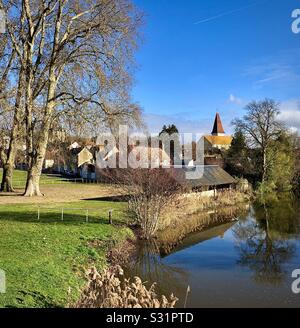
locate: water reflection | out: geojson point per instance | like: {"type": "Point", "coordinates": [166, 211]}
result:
{"type": "Point", "coordinates": [261, 253]}
{"type": "Point", "coordinates": [148, 265]}
{"type": "Point", "coordinates": [266, 243]}
{"type": "Point", "coordinates": [245, 263]}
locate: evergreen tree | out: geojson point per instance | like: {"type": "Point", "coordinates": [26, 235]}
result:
{"type": "Point", "coordinates": [174, 145]}
{"type": "Point", "coordinates": [237, 161]}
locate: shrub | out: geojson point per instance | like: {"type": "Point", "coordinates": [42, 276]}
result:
{"type": "Point", "coordinates": [149, 191]}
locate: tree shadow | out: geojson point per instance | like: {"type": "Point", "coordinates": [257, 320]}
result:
{"type": "Point", "coordinates": [18, 193]}
{"type": "Point", "coordinates": [39, 300]}
{"type": "Point", "coordinates": [116, 199]}
{"type": "Point", "coordinates": [55, 217]}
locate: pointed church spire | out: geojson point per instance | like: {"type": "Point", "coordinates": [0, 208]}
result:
{"type": "Point", "coordinates": [218, 127]}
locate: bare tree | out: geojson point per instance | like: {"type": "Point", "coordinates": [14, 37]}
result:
{"type": "Point", "coordinates": [10, 93]}
{"type": "Point", "coordinates": [71, 55]}
{"type": "Point", "coordinates": [149, 192]}
{"type": "Point", "coordinates": [261, 127]}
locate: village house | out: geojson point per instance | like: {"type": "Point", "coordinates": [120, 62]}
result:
{"type": "Point", "coordinates": [82, 157]}
{"type": "Point", "coordinates": [86, 159]}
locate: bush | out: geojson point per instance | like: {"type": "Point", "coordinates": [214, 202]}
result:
{"type": "Point", "coordinates": [149, 191]}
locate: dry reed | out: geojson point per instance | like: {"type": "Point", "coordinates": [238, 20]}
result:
{"type": "Point", "coordinates": [110, 289]}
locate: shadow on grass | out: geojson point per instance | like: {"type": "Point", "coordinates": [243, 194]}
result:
{"type": "Point", "coordinates": [55, 217]}
{"type": "Point", "coordinates": [117, 199]}
{"type": "Point", "coordinates": [37, 299]}
{"type": "Point", "coordinates": [19, 191]}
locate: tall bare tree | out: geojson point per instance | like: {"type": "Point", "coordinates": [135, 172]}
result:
{"type": "Point", "coordinates": [261, 127]}
{"type": "Point", "coordinates": [11, 93]}
{"type": "Point", "coordinates": [72, 55]}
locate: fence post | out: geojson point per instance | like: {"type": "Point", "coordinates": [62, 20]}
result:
{"type": "Point", "coordinates": [62, 214]}
{"type": "Point", "coordinates": [38, 214]}
{"type": "Point", "coordinates": [110, 216]}
{"type": "Point", "coordinates": [87, 216]}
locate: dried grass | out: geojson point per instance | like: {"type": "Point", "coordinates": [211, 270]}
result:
{"type": "Point", "coordinates": [194, 213]}
{"type": "Point", "coordinates": [110, 289]}
{"type": "Point", "coordinates": [187, 205]}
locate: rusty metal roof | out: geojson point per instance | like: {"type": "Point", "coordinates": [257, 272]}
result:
{"type": "Point", "coordinates": [211, 175]}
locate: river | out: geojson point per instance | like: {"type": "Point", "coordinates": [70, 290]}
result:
{"type": "Point", "coordinates": [243, 263]}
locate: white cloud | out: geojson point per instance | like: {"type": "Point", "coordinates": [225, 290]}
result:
{"type": "Point", "coordinates": [235, 100]}
{"type": "Point", "coordinates": [290, 114]}
{"type": "Point", "coordinates": [282, 68]}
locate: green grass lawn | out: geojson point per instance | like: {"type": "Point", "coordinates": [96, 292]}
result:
{"type": "Point", "coordinates": [19, 179]}
{"type": "Point", "coordinates": [45, 259]}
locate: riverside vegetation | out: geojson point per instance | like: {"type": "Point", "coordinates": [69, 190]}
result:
{"type": "Point", "coordinates": [110, 289]}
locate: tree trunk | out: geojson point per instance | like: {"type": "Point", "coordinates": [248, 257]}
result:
{"type": "Point", "coordinates": [38, 155]}
{"type": "Point", "coordinates": [36, 166]}
{"type": "Point", "coordinates": [6, 184]}
{"type": "Point", "coordinates": [37, 158]}
{"type": "Point", "coordinates": [8, 168]}
{"type": "Point", "coordinates": [33, 181]}
{"type": "Point", "coordinates": [3, 157]}
{"type": "Point", "coordinates": [264, 168]}
{"type": "Point", "coordinates": [15, 136]}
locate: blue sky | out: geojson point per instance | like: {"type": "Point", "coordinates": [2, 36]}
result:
{"type": "Point", "coordinates": [201, 56]}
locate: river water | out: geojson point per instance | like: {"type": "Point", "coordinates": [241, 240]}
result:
{"type": "Point", "coordinates": [245, 263]}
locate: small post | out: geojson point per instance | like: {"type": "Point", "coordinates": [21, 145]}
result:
{"type": "Point", "coordinates": [87, 216]}
{"type": "Point", "coordinates": [38, 214]}
{"type": "Point", "coordinates": [110, 216]}
{"type": "Point", "coordinates": [62, 214]}
{"type": "Point", "coordinates": [188, 290]}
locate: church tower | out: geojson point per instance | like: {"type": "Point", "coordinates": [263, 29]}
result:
{"type": "Point", "coordinates": [217, 139]}
{"type": "Point", "coordinates": [218, 129]}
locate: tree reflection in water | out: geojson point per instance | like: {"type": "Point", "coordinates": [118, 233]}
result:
{"type": "Point", "coordinates": [266, 243]}
{"type": "Point", "coordinates": [148, 265]}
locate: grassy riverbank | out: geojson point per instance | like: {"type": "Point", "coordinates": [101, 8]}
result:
{"type": "Point", "coordinates": [45, 260]}
{"type": "Point", "coordinates": [48, 243]}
